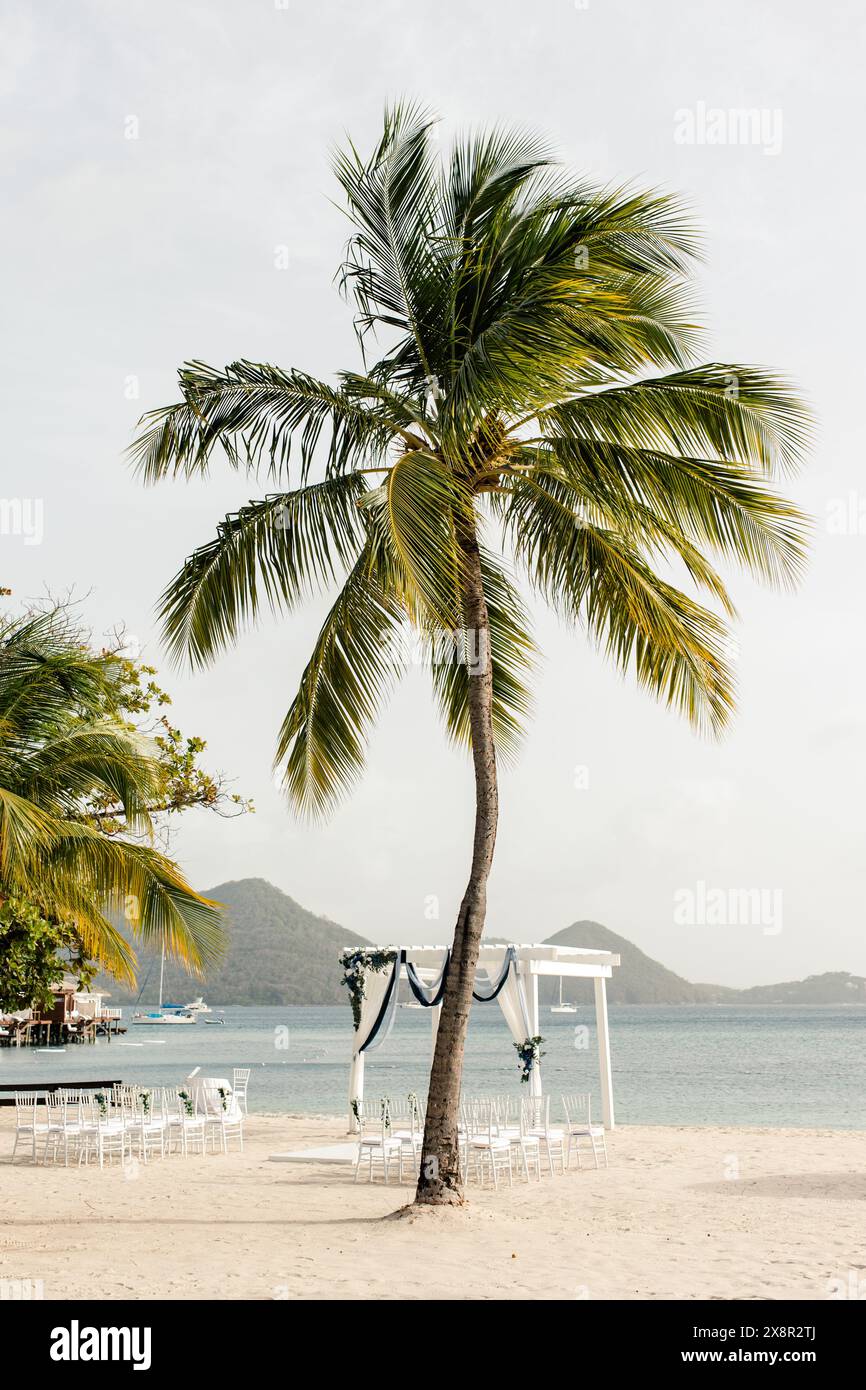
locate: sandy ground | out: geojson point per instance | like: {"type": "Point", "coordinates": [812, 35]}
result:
{"type": "Point", "coordinates": [680, 1213]}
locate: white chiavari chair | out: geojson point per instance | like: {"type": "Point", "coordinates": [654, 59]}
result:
{"type": "Point", "coordinates": [240, 1082]}
{"type": "Point", "coordinates": [376, 1142]}
{"type": "Point", "coordinates": [28, 1125]}
{"type": "Point", "coordinates": [488, 1150]}
{"type": "Point", "coordinates": [551, 1137]}
{"type": "Point", "coordinates": [579, 1126]}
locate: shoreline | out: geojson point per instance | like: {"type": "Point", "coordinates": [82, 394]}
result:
{"type": "Point", "coordinates": [683, 1212]}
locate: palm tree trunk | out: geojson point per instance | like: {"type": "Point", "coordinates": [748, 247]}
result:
{"type": "Point", "coordinates": [439, 1182]}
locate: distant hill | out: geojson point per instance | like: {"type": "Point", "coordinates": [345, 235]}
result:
{"type": "Point", "coordinates": [278, 953]}
{"type": "Point", "coordinates": [638, 980]}
{"type": "Point", "coordinates": [834, 987]}
{"type": "Point", "coordinates": [641, 980]}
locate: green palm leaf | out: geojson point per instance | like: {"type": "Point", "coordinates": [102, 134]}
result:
{"type": "Point", "coordinates": [323, 737]}
{"type": "Point", "coordinates": [595, 576]}
{"type": "Point", "coordinates": [62, 742]}
{"type": "Point", "coordinates": [282, 548]}
{"type": "Point", "coordinates": [510, 652]}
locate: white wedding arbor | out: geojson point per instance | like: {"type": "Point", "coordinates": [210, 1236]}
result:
{"type": "Point", "coordinates": [508, 973]}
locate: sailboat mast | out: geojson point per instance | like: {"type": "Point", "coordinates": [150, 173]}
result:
{"type": "Point", "coordinates": [161, 973]}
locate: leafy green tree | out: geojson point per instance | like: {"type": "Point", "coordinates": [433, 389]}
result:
{"type": "Point", "coordinates": [182, 783]}
{"type": "Point", "coordinates": [81, 792]}
{"type": "Point", "coordinates": [35, 953]}
{"type": "Point", "coordinates": [535, 405]}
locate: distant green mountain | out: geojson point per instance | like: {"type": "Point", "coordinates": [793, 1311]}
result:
{"type": "Point", "coordinates": [834, 987]}
{"type": "Point", "coordinates": [638, 980]}
{"type": "Point", "coordinates": [641, 980]}
{"type": "Point", "coordinates": [278, 953]}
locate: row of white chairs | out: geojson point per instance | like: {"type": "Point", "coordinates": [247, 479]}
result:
{"type": "Point", "coordinates": [495, 1134]}
{"type": "Point", "coordinates": [125, 1122]}
{"type": "Point", "coordinates": [501, 1131]}
{"type": "Point", "coordinates": [390, 1131]}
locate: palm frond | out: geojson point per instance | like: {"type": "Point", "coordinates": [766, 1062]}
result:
{"type": "Point", "coordinates": [118, 872]}
{"type": "Point", "coordinates": [258, 413]}
{"type": "Point", "coordinates": [591, 575]}
{"type": "Point", "coordinates": [510, 651]}
{"type": "Point", "coordinates": [424, 502]}
{"type": "Point", "coordinates": [281, 549]}
{"type": "Point", "coordinates": [392, 260]}
{"type": "Point", "coordinates": [25, 829]}
{"type": "Point", "coordinates": [88, 758]}
{"type": "Point", "coordinates": [62, 742]}
{"type": "Point", "coordinates": [725, 506]}
{"type": "Point", "coordinates": [734, 413]}
{"type": "Point", "coordinates": [322, 741]}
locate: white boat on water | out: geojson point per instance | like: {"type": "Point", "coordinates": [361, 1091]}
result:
{"type": "Point", "coordinates": [163, 1016]}
{"type": "Point", "coordinates": [164, 1013]}
{"type": "Point", "coordinates": [561, 1008]}
{"type": "Point", "coordinates": [198, 1006]}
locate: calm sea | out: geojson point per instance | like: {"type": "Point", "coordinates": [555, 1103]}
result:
{"type": "Point", "coordinates": [688, 1065]}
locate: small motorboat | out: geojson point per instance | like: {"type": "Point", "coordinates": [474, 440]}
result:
{"type": "Point", "coordinates": [198, 1006]}
{"type": "Point", "coordinates": [218, 1020]}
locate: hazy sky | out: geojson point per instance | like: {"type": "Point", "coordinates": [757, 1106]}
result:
{"type": "Point", "coordinates": [155, 157]}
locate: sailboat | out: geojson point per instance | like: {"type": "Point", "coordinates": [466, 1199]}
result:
{"type": "Point", "coordinates": [561, 1008]}
{"type": "Point", "coordinates": [168, 1014]}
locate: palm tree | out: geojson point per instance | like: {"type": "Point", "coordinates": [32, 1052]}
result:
{"type": "Point", "coordinates": [63, 748]}
{"type": "Point", "coordinates": [508, 420]}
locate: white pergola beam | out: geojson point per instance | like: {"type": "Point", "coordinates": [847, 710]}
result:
{"type": "Point", "coordinates": [566, 971]}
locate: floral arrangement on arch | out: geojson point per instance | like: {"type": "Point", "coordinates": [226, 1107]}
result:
{"type": "Point", "coordinates": [356, 962]}
{"type": "Point", "coordinates": [530, 1054]}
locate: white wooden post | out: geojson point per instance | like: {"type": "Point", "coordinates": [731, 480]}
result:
{"type": "Point", "coordinates": [603, 1035]}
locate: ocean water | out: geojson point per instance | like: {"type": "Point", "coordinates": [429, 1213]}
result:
{"type": "Point", "coordinates": [686, 1065]}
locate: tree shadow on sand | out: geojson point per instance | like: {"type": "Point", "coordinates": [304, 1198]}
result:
{"type": "Point", "coordinates": [834, 1187]}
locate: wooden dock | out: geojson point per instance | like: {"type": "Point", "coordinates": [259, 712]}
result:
{"type": "Point", "coordinates": [43, 1088]}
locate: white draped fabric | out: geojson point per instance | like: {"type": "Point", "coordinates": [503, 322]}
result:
{"type": "Point", "coordinates": [376, 985]}
{"type": "Point", "coordinates": [518, 1015]}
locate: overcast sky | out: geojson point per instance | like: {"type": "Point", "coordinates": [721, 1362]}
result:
{"type": "Point", "coordinates": [156, 155]}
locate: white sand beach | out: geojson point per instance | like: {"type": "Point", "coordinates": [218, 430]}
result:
{"type": "Point", "coordinates": [681, 1213]}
